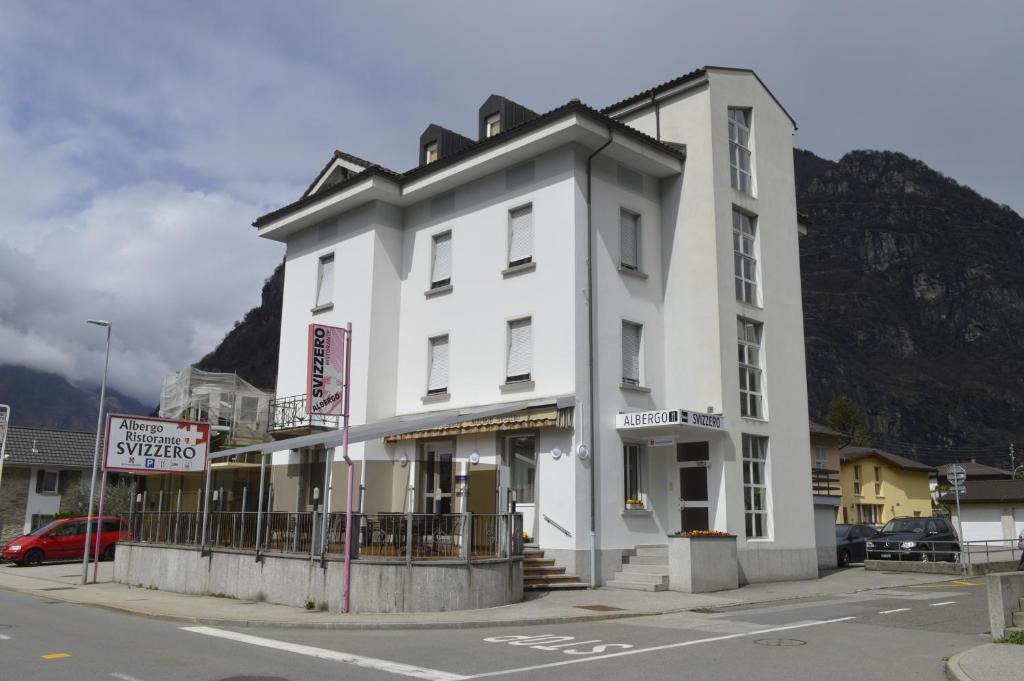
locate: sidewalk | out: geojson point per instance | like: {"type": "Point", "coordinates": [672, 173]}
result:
{"type": "Point", "coordinates": [60, 582]}
{"type": "Point", "coordinates": [990, 662]}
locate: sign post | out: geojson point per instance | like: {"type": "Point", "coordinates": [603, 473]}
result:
{"type": "Point", "coordinates": [957, 476]}
{"type": "Point", "coordinates": [5, 422]}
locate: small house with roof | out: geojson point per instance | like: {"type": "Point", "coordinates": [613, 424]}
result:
{"type": "Point", "coordinates": [878, 486]}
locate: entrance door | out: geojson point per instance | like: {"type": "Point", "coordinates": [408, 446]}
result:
{"type": "Point", "coordinates": [692, 463]}
{"type": "Point", "coordinates": [436, 478]}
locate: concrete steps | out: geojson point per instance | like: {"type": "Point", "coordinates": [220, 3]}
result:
{"type": "Point", "coordinates": [1018, 620]}
{"type": "Point", "coordinates": [543, 574]}
{"type": "Point", "coordinates": [645, 569]}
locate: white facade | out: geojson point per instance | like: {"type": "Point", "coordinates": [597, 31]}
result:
{"type": "Point", "coordinates": [381, 230]}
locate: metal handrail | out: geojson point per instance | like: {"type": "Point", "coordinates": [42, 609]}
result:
{"type": "Point", "coordinates": [558, 527]}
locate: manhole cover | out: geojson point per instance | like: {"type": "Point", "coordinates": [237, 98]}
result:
{"type": "Point", "coordinates": [6, 626]}
{"type": "Point", "coordinates": [599, 608]}
{"type": "Point", "coordinates": [57, 588]}
{"type": "Point", "coordinates": [780, 642]}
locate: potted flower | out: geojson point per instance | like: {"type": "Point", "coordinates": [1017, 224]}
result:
{"type": "Point", "coordinates": [635, 505]}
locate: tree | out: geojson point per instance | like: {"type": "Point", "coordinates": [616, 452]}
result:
{"type": "Point", "coordinates": [117, 500]}
{"type": "Point", "coordinates": [846, 417]}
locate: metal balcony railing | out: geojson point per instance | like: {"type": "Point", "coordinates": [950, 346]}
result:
{"type": "Point", "coordinates": [825, 482]}
{"type": "Point", "coordinates": [287, 413]}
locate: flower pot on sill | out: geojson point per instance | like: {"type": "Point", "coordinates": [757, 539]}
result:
{"type": "Point", "coordinates": [635, 507]}
{"type": "Point", "coordinates": [702, 564]}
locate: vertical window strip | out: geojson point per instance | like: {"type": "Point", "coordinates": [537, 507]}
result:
{"type": "Point", "coordinates": [744, 231]}
{"type": "Point", "coordinates": [441, 268]}
{"type": "Point", "coordinates": [755, 486]}
{"type": "Point", "coordinates": [629, 239]}
{"type": "Point", "coordinates": [325, 280]}
{"type": "Point", "coordinates": [632, 336]}
{"type": "Point", "coordinates": [518, 367]}
{"type": "Point", "coordinates": [437, 380]}
{"type": "Point", "coordinates": [741, 177]}
{"type": "Point", "coordinates": [520, 241]}
{"type": "Point", "coordinates": [633, 485]}
{"type": "Point", "coordinates": [749, 346]}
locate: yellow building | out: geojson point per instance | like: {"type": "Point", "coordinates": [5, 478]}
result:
{"type": "Point", "coordinates": [878, 486]}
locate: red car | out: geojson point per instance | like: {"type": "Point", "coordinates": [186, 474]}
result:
{"type": "Point", "coordinates": [64, 540]}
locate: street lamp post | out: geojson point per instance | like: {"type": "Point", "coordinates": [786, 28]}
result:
{"type": "Point", "coordinates": [95, 451]}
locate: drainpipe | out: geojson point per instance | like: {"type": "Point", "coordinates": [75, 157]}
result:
{"type": "Point", "coordinates": [590, 361]}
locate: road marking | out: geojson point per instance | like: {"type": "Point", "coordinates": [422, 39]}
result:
{"type": "Point", "coordinates": [969, 583]}
{"type": "Point", "coordinates": [652, 649]}
{"type": "Point", "coordinates": [942, 603]}
{"type": "Point", "coordinates": [334, 655]}
{"type": "Point", "coordinates": [4, 637]}
{"type": "Point", "coordinates": [889, 612]}
{"type": "Point", "coordinates": [54, 656]}
{"type": "Point", "coordinates": [123, 677]}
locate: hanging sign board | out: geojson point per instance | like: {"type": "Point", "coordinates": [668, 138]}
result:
{"type": "Point", "coordinates": [145, 444]}
{"type": "Point", "coordinates": [669, 417]}
{"type": "Point", "coordinates": [325, 375]}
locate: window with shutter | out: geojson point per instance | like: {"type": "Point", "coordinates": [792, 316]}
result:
{"type": "Point", "coordinates": [441, 268]}
{"type": "Point", "coordinates": [520, 240]}
{"type": "Point", "coordinates": [519, 351]}
{"type": "Point", "coordinates": [631, 336]}
{"type": "Point", "coordinates": [630, 240]}
{"type": "Point", "coordinates": [325, 280]}
{"type": "Point", "coordinates": [437, 380]}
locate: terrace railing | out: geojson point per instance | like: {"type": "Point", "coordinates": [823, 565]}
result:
{"type": "Point", "coordinates": [825, 482]}
{"type": "Point", "coordinates": [389, 537]}
{"type": "Point", "coordinates": [287, 413]}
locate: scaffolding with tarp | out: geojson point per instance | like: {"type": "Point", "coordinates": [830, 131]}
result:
{"type": "Point", "coordinates": [237, 411]}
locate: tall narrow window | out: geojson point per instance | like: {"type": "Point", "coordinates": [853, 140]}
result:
{"type": "Point", "coordinates": [518, 367]}
{"type": "Point", "coordinates": [325, 280]}
{"type": "Point", "coordinates": [739, 150]}
{"type": "Point", "coordinates": [493, 125]}
{"type": "Point", "coordinates": [520, 236]}
{"type": "Point", "coordinates": [749, 342]}
{"type": "Point", "coordinates": [878, 481]}
{"type": "Point", "coordinates": [632, 475]}
{"type": "Point", "coordinates": [755, 487]}
{"type": "Point", "coordinates": [856, 480]}
{"type": "Point", "coordinates": [632, 335]}
{"type": "Point", "coordinates": [820, 458]}
{"type": "Point", "coordinates": [522, 455]}
{"type": "Point", "coordinates": [629, 239]}
{"type": "Point", "coordinates": [437, 378]}
{"type": "Point", "coordinates": [430, 152]}
{"type": "Point", "coordinates": [744, 258]}
{"type": "Point", "coordinates": [441, 268]}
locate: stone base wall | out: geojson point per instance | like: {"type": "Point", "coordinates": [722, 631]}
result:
{"type": "Point", "coordinates": [702, 565]}
{"type": "Point", "coordinates": [13, 501]}
{"type": "Point", "coordinates": [296, 581]}
{"type": "Point", "coordinates": [777, 565]}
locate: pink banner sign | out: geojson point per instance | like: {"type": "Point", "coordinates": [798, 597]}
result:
{"type": "Point", "coordinates": [325, 386]}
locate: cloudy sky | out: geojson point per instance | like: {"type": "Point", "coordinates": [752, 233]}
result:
{"type": "Point", "coordinates": [138, 140]}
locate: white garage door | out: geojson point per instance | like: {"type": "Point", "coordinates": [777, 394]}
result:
{"type": "Point", "coordinates": [981, 523]}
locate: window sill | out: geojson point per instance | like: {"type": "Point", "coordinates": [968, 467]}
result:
{"type": "Point", "coordinates": [54, 493]}
{"type": "Point", "coordinates": [634, 388]}
{"type": "Point", "coordinates": [517, 386]}
{"type": "Point", "coordinates": [637, 512]}
{"type": "Point", "coordinates": [631, 272]}
{"type": "Point", "coordinates": [754, 419]}
{"type": "Point", "coordinates": [436, 397]}
{"type": "Point", "coordinates": [326, 307]}
{"type": "Point", "coordinates": [750, 306]}
{"type": "Point", "coordinates": [513, 270]}
{"type": "Point", "coordinates": [759, 540]}
{"type": "Point", "coordinates": [439, 291]}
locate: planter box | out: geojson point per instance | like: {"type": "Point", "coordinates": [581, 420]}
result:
{"type": "Point", "coordinates": [702, 564]}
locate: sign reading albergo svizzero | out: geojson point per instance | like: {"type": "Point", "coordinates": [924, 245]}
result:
{"type": "Point", "coordinates": [325, 380]}
{"type": "Point", "coordinates": [145, 444]}
{"type": "Point", "coordinates": [668, 417]}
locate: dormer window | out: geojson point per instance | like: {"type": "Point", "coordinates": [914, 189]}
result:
{"type": "Point", "coordinates": [430, 152]}
{"type": "Point", "coordinates": [493, 125]}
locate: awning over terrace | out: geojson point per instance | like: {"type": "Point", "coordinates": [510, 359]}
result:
{"type": "Point", "coordinates": [401, 425]}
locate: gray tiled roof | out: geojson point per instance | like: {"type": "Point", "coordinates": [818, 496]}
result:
{"type": "Point", "coordinates": [850, 454]}
{"type": "Point", "coordinates": [50, 447]}
{"type": "Point", "coordinates": [988, 491]}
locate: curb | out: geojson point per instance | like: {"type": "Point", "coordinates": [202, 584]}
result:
{"type": "Point", "coordinates": [426, 624]}
{"type": "Point", "coordinates": [954, 672]}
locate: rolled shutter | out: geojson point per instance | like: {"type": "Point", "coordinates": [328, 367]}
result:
{"type": "Point", "coordinates": [520, 246]}
{"type": "Point", "coordinates": [630, 241]}
{"type": "Point", "coordinates": [438, 379]}
{"type": "Point", "coordinates": [631, 353]}
{"type": "Point", "coordinates": [442, 269]}
{"type": "Point", "coordinates": [519, 341]}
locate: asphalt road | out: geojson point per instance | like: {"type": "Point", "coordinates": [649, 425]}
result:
{"type": "Point", "coordinates": [889, 633]}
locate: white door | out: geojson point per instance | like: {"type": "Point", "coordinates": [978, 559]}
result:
{"type": "Point", "coordinates": [437, 475]}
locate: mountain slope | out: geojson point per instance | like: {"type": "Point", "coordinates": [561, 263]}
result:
{"type": "Point", "coordinates": [43, 400]}
{"type": "Point", "coordinates": [913, 291]}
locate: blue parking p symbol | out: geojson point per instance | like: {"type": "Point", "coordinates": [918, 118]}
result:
{"type": "Point", "coordinates": [150, 463]}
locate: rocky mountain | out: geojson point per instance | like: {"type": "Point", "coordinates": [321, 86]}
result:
{"type": "Point", "coordinates": [913, 291]}
{"type": "Point", "coordinates": [44, 400]}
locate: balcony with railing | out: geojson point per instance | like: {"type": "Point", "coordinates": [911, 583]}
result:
{"type": "Point", "coordinates": [825, 483]}
{"type": "Point", "coordinates": [289, 418]}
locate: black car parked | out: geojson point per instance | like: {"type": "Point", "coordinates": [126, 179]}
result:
{"type": "Point", "coordinates": [850, 543]}
{"type": "Point", "coordinates": [923, 539]}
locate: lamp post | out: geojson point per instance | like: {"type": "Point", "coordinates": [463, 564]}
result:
{"type": "Point", "coordinates": [95, 451]}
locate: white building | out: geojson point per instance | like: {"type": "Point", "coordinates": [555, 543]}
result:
{"type": "Point", "coordinates": [467, 286]}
